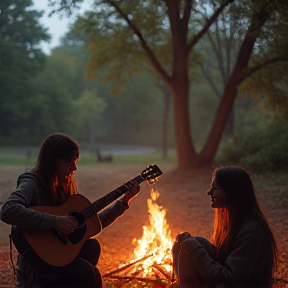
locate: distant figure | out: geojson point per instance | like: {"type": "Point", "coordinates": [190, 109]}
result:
{"type": "Point", "coordinates": [103, 158]}
{"type": "Point", "coordinates": [243, 251]}
{"type": "Point", "coordinates": [51, 183]}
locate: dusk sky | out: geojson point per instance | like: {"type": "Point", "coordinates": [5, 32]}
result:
{"type": "Point", "coordinates": [57, 27]}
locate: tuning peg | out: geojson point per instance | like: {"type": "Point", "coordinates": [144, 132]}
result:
{"type": "Point", "coordinates": [152, 181]}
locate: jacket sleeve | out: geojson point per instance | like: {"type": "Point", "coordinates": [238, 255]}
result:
{"type": "Point", "coordinates": [15, 210]}
{"type": "Point", "coordinates": [241, 262]}
{"type": "Point", "coordinates": [112, 213]}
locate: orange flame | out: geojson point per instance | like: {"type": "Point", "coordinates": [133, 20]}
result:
{"type": "Point", "coordinates": [156, 239]}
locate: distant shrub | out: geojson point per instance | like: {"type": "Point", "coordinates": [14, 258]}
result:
{"type": "Point", "coordinates": [261, 149]}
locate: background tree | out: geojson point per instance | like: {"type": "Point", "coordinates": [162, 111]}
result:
{"type": "Point", "coordinates": [21, 59]}
{"type": "Point", "coordinates": [107, 42]}
{"type": "Point", "coordinates": [123, 118]}
{"type": "Point", "coordinates": [220, 48]}
{"type": "Point", "coordinates": [52, 102]}
{"type": "Point", "coordinates": [141, 20]}
{"type": "Point", "coordinates": [89, 108]}
{"type": "Point", "coordinates": [165, 127]}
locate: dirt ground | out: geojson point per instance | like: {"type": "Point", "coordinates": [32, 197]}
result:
{"type": "Point", "coordinates": [181, 195]}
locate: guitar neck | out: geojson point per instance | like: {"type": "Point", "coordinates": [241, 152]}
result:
{"type": "Point", "coordinates": [101, 203]}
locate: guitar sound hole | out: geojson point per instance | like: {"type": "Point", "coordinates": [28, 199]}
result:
{"type": "Point", "coordinates": [79, 217]}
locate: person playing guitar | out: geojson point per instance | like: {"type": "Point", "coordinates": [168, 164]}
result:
{"type": "Point", "coordinates": [51, 183]}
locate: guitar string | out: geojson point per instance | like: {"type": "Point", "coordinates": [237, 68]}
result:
{"type": "Point", "coordinates": [106, 200]}
{"type": "Point", "coordinates": [109, 198]}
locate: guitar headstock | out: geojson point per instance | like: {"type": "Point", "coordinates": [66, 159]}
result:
{"type": "Point", "coordinates": [151, 174]}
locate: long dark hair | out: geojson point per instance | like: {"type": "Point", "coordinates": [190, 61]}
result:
{"type": "Point", "coordinates": [241, 206]}
{"type": "Point", "coordinates": [55, 147]}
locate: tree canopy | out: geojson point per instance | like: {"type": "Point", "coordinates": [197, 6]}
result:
{"type": "Point", "coordinates": [170, 31]}
{"type": "Point", "coordinates": [21, 59]}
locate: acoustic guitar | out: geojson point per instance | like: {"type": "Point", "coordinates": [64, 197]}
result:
{"type": "Point", "coordinates": [45, 250]}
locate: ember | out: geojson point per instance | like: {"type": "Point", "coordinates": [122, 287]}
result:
{"type": "Point", "coordinates": [153, 258]}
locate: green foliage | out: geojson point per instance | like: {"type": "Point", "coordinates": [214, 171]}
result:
{"type": "Point", "coordinates": [135, 117]}
{"type": "Point", "coordinates": [91, 114]}
{"type": "Point", "coordinates": [262, 148]}
{"type": "Point", "coordinates": [269, 87]}
{"type": "Point", "coordinates": [21, 59]}
{"type": "Point", "coordinates": [203, 104]}
{"type": "Point", "coordinates": [121, 34]}
{"type": "Point", "coordinates": [59, 98]}
{"type": "Point", "coordinates": [88, 111]}
{"type": "Point", "coordinates": [266, 76]}
{"type": "Point", "coordinates": [113, 44]}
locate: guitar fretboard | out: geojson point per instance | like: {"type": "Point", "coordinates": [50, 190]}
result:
{"type": "Point", "coordinates": [101, 203]}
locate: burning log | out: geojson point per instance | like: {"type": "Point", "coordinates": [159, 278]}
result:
{"type": "Point", "coordinates": [142, 279]}
{"type": "Point", "coordinates": [126, 266]}
{"type": "Point", "coordinates": [157, 242]}
{"type": "Point", "coordinates": [155, 273]}
{"type": "Point", "coordinates": [162, 271]}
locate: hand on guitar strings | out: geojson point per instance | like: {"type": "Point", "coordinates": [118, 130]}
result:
{"type": "Point", "coordinates": [65, 224]}
{"type": "Point", "coordinates": [130, 194]}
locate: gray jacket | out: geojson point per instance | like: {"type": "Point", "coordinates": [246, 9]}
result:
{"type": "Point", "coordinates": [246, 263]}
{"type": "Point", "coordinates": [15, 211]}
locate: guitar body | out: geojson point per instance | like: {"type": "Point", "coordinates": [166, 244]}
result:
{"type": "Point", "coordinates": [48, 245]}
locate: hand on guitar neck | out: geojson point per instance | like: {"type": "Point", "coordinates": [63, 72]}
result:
{"type": "Point", "coordinates": [67, 224]}
{"type": "Point", "coordinates": [130, 194]}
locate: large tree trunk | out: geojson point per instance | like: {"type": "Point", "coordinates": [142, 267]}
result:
{"type": "Point", "coordinates": [167, 100]}
{"type": "Point", "coordinates": [209, 151]}
{"type": "Point", "coordinates": [178, 81]}
{"type": "Point", "coordinates": [179, 85]}
{"type": "Point", "coordinates": [187, 156]}
{"type": "Point", "coordinates": [229, 129]}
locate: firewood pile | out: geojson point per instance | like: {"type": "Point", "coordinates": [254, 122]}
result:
{"type": "Point", "coordinates": [137, 274]}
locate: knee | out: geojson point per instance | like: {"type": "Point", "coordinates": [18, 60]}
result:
{"type": "Point", "coordinates": [98, 277]}
{"type": "Point", "coordinates": [202, 240]}
{"type": "Point", "coordinates": [207, 245]}
{"type": "Point", "coordinates": [93, 245]}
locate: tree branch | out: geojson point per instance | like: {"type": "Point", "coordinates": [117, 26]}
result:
{"type": "Point", "coordinates": [210, 80]}
{"type": "Point", "coordinates": [209, 22]}
{"type": "Point", "coordinates": [187, 12]}
{"type": "Point", "coordinates": [145, 47]}
{"type": "Point", "coordinates": [221, 58]}
{"type": "Point", "coordinates": [254, 69]}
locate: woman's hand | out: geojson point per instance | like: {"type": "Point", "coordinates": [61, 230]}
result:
{"type": "Point", "coordinates": [130, 194]}
{"type": "Point", "coordinates": [182, 236]}
{"type": "Point", "coordinates": [65, 224]}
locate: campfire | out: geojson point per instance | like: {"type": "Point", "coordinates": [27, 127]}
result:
{"type": "Point", "coordinates": [152, 264]}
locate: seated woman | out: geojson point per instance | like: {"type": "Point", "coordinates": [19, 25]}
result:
{"type": "Point", "coordinates": [50, 183]}
{"type": "Point", "coordinates": [243, 251]}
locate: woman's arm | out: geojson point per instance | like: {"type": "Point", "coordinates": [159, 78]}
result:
{"type": "Point", "coordinates": [109, 215]}
{"type": "Point", "coordinates": [15, 210]}
{"type": "Point", "coordinates": [241, 262]}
